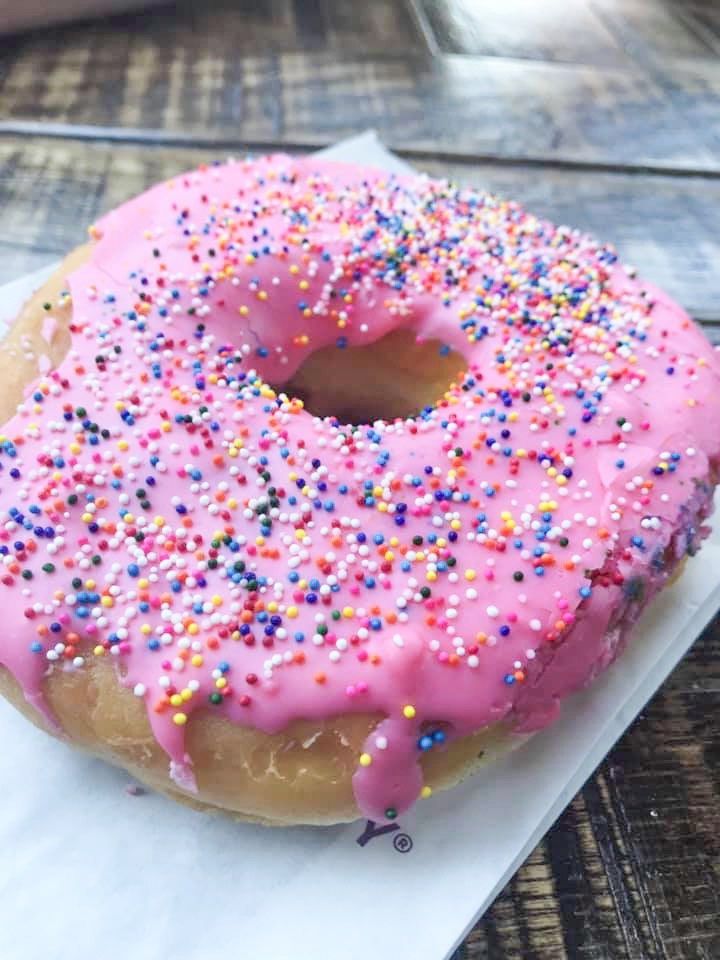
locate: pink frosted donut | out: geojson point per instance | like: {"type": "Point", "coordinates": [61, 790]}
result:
{"type": "Point", "coordinates": [214, 579]}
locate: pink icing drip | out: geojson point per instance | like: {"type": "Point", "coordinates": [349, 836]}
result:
{"type": "Point", "coordinates": [449, 655]}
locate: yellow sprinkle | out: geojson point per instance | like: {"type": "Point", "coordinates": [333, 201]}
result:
{"type": "Point", "coordinates": [176, 700]}
{"type": "Point", "coordinates": [197, 660]}
{"type": "Point", "coordinates": [347, 612]}
{"type": "Point", "coordinates": [180, 719]}
{"type": "Point", "coordinates": [408, 711]}
{"type": "Point", "coordinates": [145, 629]}
{"type": "Point", "coordinates": [291, 612]}
{"type": "Point", "coordinates": [426, 792]}
{"type": "Point", "coordinates": [192, 629]}
{"type": "Point", "coordinates": [220, 683]}
{"type": "Point", "coordinates": [98, 650]}
{"type": "Point", "coordinates": [186, 694]}
{"type": "Point", "coordinates": [469, 574]}
{"type": "Point", "coordinates": [365, 759]}
{"type": "Point", "coordinates": [106, 601]}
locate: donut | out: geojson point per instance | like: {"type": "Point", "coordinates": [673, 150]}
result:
{"type": "Point", "coordinates": [322, 487]}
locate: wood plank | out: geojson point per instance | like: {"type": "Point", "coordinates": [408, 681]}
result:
{"type": "Point", "coordinates": [553, 30]}
{"type": "Point", "coordinates": [665, 226]}
{"type": "Point", "coordinates": [648, 29]}
{"type": "Point", "coordinates": [505, 108]}
{"type": "Point", "coordinates": [247, 78]}
{"type": "Point", "coordinates": [599, 32]}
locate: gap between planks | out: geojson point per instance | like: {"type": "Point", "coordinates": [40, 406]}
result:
{"type": "Point", "coordinates": [161, 138]}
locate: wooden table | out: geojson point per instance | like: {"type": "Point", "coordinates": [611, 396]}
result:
{"type": "Point", "coordinates": [601, 113]}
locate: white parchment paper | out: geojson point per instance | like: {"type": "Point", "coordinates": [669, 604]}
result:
{"type": "Point", "coordinates": [89, 871]}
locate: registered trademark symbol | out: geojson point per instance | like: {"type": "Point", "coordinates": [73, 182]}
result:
{"type": "Point", "coordinates": [402, 843]}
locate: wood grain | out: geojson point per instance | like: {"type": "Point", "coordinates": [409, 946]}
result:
{"type": "Point", "coordinates": [554, 30]}
{"type": "Point", "coordinates": [50, 191]}
{"type": "Point", "coordinates": [598, 32]}
{"type": "Point", "coordinates": [313, 72]}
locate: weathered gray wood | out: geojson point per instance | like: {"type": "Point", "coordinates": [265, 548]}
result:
{"type": "Point", "coordinates": [312, 72]}
{"type": "Point", "coordinates": [553, 30]}
{"type": "Point", "coordinates": [50, 190]}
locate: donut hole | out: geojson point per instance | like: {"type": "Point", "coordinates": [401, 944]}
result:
{"type": "Point", "coordinates": [390, 378]}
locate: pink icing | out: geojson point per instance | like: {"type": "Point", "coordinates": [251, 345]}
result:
{"type": "Point", "coordinates": [553, 489]}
